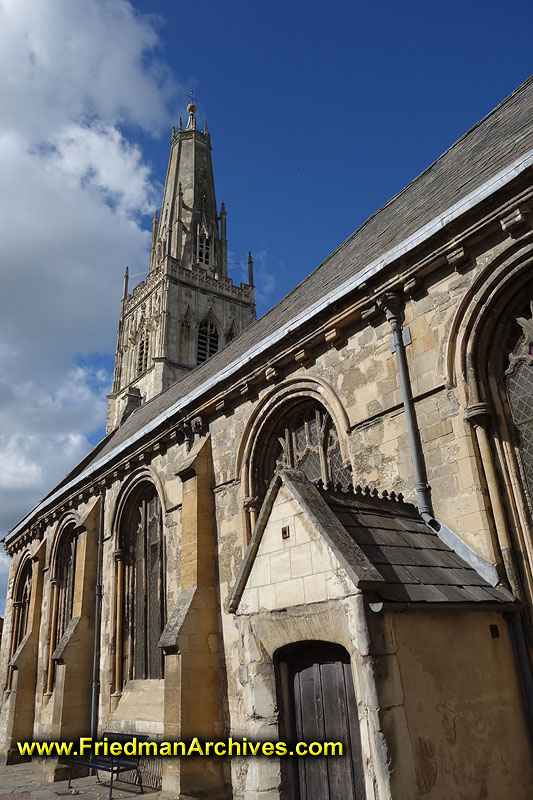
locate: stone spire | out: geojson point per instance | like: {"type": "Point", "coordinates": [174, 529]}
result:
{"type": "Point", "coordinates": [188, 307]}
{"type": "Point", "coordinates": [189, 228]}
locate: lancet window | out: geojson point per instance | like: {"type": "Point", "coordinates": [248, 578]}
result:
{"type": "Point", "coordinates": [207, 341]}
{"type": "Point", "coordinates": [306, 439]}
{"type": "Point", "coordinates": [65, 576]}
{"type": "Point", "coordinates": [142, 354]}
{"type": "Point", "coordinates": [204, 250]}
{"type": "Point", "coordinates": [141, 585]}
{"type": "Point", "coordinates": [21, 609]}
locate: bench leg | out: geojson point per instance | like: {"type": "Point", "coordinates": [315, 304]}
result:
{"type": "Point", "coordinates": [140, 779]}
{"type": "Point", "coordinates": [111, 786]}
{"type": "Point", "coordinates": [70, 777]}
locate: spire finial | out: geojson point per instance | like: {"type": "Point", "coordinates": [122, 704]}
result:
{"type": "Point", "coordinates": [180, 127]}
{"type": "Point", "coordinates": [191, 122]}
{"type": "Point", "coordinates": [191, 110]}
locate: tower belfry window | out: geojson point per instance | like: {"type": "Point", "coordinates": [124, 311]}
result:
{"type": "Point", "coordinates": [204, 250]}
{"type": "Point", "coordinates": [142, 355]}
{"type": "Point", "coordinates": [207, 341]}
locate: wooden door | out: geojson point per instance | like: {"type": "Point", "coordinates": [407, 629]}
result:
{"type": "Point", "coordinates": [319, 705]}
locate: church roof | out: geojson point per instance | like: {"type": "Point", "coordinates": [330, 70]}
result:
{"type": "Point", "coordinates": [383, 544]}
{"type": "Point", "coordinates": [486, 158]}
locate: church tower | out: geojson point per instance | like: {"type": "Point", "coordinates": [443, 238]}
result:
{"type": "Point", "coordinates": [188, 307]}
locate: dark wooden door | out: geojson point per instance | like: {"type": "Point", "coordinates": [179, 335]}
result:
{"type": "Point", "coordinates": [319, 705]}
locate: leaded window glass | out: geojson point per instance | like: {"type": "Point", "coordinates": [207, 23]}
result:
{"type": "Point", "coordinates": [307, 440]}
{"type": "Point", "coordinates": [144, 588]}
{"type": "Point", "coordinates": [23, 597]}
{"type": "Point", "coordinates": [65, 575]}
{"type": "Point", "coordinates": [519, 384]}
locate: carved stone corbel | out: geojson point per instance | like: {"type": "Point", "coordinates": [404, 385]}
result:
{"type": "Point", "coordinates": [518, 222]}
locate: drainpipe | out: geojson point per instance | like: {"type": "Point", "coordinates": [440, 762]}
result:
{"type": "Point", "coordinates": [392, 304]}
{"type": "Point", "coordinates": [97, 621]}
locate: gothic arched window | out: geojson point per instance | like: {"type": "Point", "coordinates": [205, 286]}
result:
{"type": "Point", "coordinates": [65, 576]}
{"type": "Point", "coordinates": [143, 587]}
{"type": "Point", "coordinates": [306, 439]}
{"type": "Point", "coordinates": [21, 609]}
{"type": "Point", "coordinates": [142, 354]}
{"type": "Point", "coordinates": [207, 341]}
{"type": "Point", "coordinates": [204, 250]}
{"type": "Point", "coordinates": [519, 388]}
{"type": "Point", "coordinates": [22, 605]}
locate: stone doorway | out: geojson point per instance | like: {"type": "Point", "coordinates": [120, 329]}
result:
{"type": "Point", "coordinates": [318, 704]}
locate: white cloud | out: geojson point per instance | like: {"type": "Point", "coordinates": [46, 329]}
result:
{"type": "Point", "coordinates": [74, 77]}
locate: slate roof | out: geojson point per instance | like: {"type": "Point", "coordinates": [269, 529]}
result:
{"type": "Point", "coordinates": [416, 566]}
{"type": "Point", "coordinates": [495, 142]}
{"type": "Point", "coordinates": [381, 542]}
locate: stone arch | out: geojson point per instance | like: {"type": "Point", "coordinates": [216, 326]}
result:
{"type": "Point", "coordinates": [476, 352]}
{"type": "Point", "coordinates": [292, 391]}
{"type": "Point", "coordinates": [130, 486]}
{"type": "Point", "coordinates": [70, 518]}
{"type": "Point", "coordinates": [506, 275]}
{"type": "Point", "coordinates": [21, 603]}
{"type": "Point", "coordinates": [341, 622]}
{"type": "Point", "coordinates": [139, 580]}
{"type": "Point", "coordinates": [209, 335]}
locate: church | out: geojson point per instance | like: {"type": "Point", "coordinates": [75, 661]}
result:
{"type": "Point", "coordinates": [315, 526]}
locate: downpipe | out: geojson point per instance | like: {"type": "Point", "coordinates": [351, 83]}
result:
{"type": "Point", "coordinates": [391, 303]}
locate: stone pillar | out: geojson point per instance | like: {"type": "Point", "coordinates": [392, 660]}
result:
{"type": "Point", "coordinates": [119, 616]}
{"type": "Point", "coordinates": [478, 415]}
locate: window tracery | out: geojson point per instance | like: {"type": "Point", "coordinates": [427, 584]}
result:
{"type": "Point", "coordinates": [142, 354]}
{"type": "Point", "coordinates": [65, 576]}
{"type": "Point", "coordinates": [204, 250]}
{"type": "Point", "coordinates": [306, 439]}
{"type": "Point", "coordinates": [143, 587]}
{"type": "Point", "coordinates": [519, 389]}
{"type": "Point", "coordinates": [21, 609]}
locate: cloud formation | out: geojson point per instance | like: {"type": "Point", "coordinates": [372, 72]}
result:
{"type": "Point", "coordinates": [73, 78]}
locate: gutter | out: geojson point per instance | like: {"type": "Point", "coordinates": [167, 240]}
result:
{"type": "Point", "coordinates": [466, 203]}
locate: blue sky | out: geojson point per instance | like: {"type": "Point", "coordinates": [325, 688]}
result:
{"type": "Point", "coordinates": [319, 113]}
